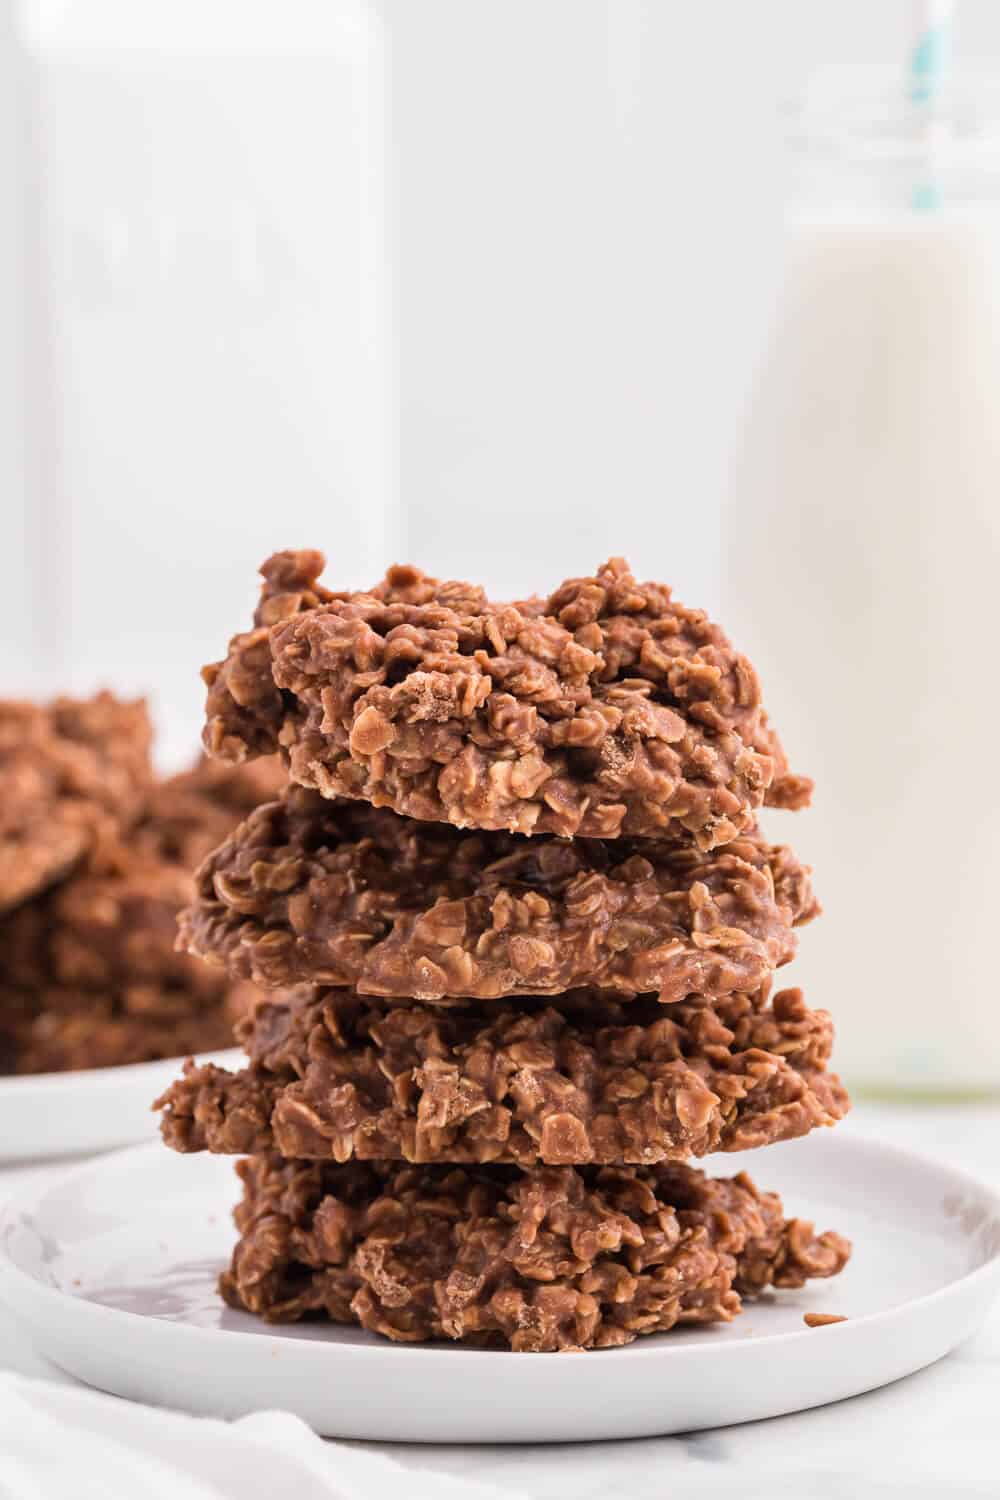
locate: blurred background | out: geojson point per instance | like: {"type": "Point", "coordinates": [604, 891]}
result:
{"type": "Point", "coordinates": [503, 288]}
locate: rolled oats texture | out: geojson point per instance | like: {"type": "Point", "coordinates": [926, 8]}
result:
{"type": "Point", "coordinates": [606, 709]}
{"type": "Point", "coordinates": [336, 892]}
{"type": "Point", "coordinates": [546, 1260]}
{"type": "Point", "coordinates": [74, 774]}
{"type": "Point", "coordinates": [90, 974]}
{"type": "Point", "coordinates": [333, 1075]}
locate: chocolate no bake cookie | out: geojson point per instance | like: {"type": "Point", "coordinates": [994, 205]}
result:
{"type": "Point", "coordinates": [73, 774]}
{"type": "Point", "coordinates": [63, 1029]}
{"type": "Point", "coordinates": [189, 815]}
{"type": "Point", "coordinates": [606, 709]}
{"type": "Point", "coordinates": [551, 1259]}
{"type": "Point", "coordinates": [314, 891]}
{"type": "Point", "coordinates": [90, 973]}
{"type": "Point", "coordinates": [517, 929]}
{"type": "Point", "coordinates": [333, 1075]}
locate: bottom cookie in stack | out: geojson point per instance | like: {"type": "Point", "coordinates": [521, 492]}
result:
{"type": "Point", "coordinates": [554, 1258]}
{"type": "Point", "coordinates": [512, 1174]}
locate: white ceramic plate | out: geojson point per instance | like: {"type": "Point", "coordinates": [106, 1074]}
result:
{"type": "Point", "coordinates": [58, 1114]}
{"type": "Point", "coordinates": [113, 1272]}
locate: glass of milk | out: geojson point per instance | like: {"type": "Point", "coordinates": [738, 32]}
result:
{"type": "Point", "coordinates": [862, 572]}
{"type": "Point", "coordinates": [207, 331]}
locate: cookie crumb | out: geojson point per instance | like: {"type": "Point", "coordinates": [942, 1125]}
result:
{"type": "Point", "coordinates": [820, 1320]}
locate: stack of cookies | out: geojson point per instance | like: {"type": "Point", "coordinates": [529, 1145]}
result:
{"type": "Point", "coordinates": [520, 927]}
{"type": "Point", "coordinates": [96, 856]}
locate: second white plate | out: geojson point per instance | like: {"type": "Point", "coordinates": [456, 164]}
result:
{"type": "Point", "coordinates": [59, 1114]}
{"type": "Point", "coordinates": [113, 1272]}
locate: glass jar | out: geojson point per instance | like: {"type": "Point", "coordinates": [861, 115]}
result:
{"type": "Point", "coordinates": [861, 553]}
{"type": "Point", "coordinates": [209, 357]}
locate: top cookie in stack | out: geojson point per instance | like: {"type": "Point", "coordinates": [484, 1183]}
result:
{"type": "Point", "coordinates": [519, 885]}
{"type": "Point", "coordinates": [602, 711]}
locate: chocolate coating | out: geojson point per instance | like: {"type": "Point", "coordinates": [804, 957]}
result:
{"type": "Point", "coordinates": [309, 891]}
{"type": "Point", "coordinates": [74, 775]}
{"type": "Point", "coordinates": [333, 1075]}
{"type": "Point", "coordinates": [552, 1259]}
{"type": "Point", "coordinates": [605, 709]}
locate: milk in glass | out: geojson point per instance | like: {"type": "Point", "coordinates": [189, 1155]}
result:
{"type": "Point", "coordinates": [862, 575]}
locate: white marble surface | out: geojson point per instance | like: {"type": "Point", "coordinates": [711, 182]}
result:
{"type": "Point", "coordinates": [932, 1435]}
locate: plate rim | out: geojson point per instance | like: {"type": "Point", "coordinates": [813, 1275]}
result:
{"type": "Point", "coordinates": [19, 1205]}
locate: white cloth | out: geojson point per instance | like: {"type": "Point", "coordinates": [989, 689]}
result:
{"type": "Point", "coordinates": [62, 1443]}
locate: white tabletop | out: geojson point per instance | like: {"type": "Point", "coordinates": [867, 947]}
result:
{"type": "Point", "coordinates": [931, 1435]}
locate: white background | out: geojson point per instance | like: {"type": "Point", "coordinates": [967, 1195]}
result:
{"type": "Point", "coordinates": [482, 283]}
